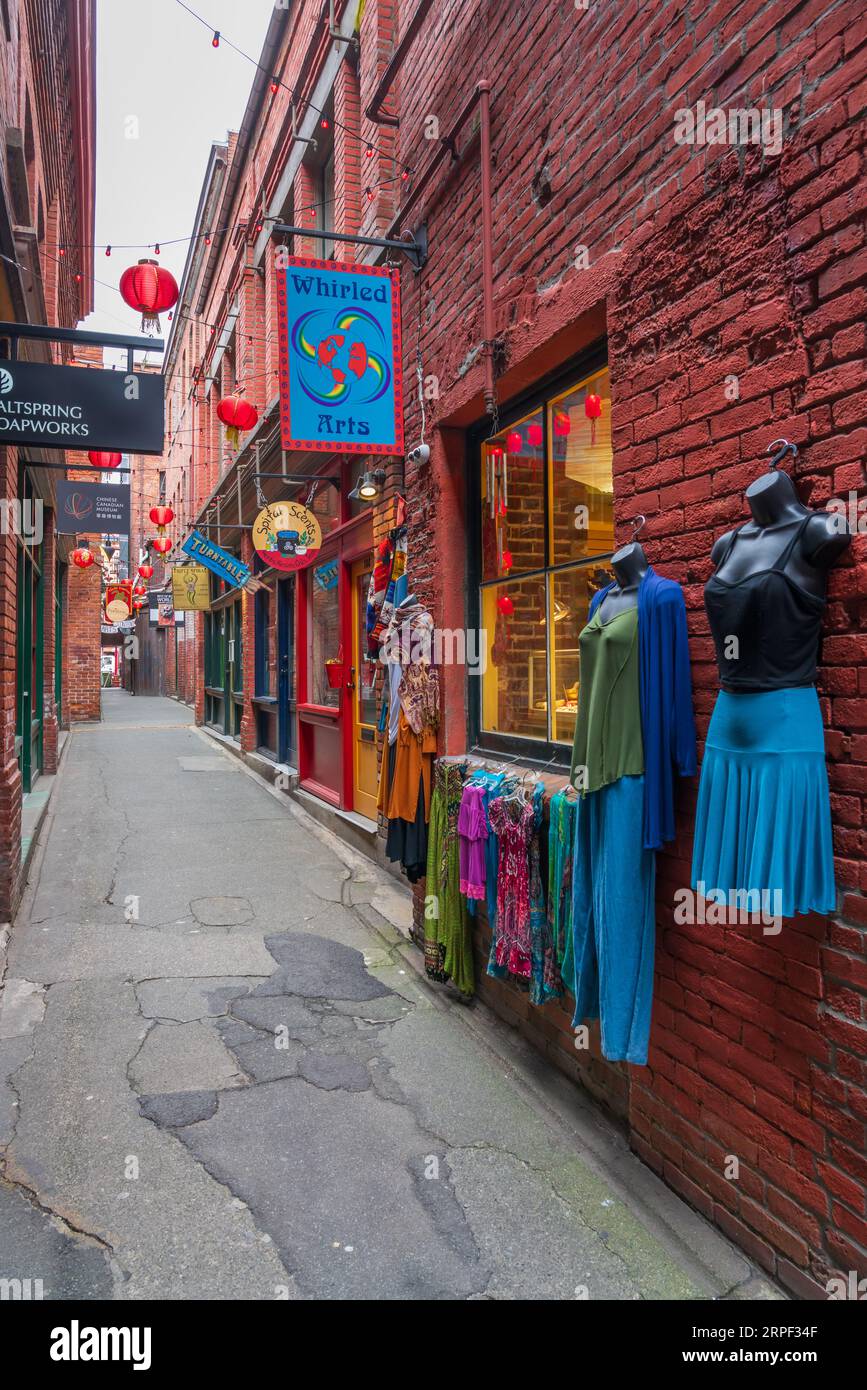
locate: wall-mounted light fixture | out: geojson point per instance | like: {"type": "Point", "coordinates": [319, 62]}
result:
{"type": "Point", "coordinates": [368, 488]}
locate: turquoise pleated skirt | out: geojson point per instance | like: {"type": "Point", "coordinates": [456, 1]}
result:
{"type": "Point", "coordinates": [763, 821]}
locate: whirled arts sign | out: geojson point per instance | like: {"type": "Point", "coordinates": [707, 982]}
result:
{"type": "Point", "coordinates": [341, 374]}
{"type": "Point", "coordinates": [219, 561]}
{"type": "Point", "coordinates": [287, 535]}
{"type": "Point", "coordinates": [191, 588]}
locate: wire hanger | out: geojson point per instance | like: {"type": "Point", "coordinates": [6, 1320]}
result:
{"type": "Point", "coordinates": [787, 448]}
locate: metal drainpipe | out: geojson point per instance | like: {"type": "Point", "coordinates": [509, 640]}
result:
{"type": "Point", "coordinates": [484, 90]}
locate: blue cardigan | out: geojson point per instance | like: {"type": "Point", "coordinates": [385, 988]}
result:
{"type": "Point", "coordinates": [665, 695]}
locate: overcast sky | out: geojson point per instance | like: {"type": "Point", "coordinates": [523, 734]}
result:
{"type": "Point", "coordinates": [163, 95]}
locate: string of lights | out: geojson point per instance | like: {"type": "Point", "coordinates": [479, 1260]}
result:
{"type": "Point", "coordinates": [276, 83]}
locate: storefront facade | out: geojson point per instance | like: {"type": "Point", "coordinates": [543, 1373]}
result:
{"type": "Point", "coordinates": [706, 296]}
{"type": "Point", "coordinates": [612, 325]}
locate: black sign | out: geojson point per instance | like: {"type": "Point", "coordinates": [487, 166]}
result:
{"type": "Point", "coordinates": [102, 507]}
{"type": "Point", "coordinates": [81, 408]}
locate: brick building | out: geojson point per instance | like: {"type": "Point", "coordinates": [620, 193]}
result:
{"type": "Point", "coordinates": [588, 239]}
{"type": "Point", "coordinates": [47, 86]}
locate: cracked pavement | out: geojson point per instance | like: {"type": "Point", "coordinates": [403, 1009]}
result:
{"type": "Point", "coordinates": [223, 1075]}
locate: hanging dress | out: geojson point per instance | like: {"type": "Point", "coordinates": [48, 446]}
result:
{"type": "Point", "coordinates": [513, 822]}
{"type": "Point", "coordinates": [545, 981]}
{"type": "Point", "coordinates": [448, 951]}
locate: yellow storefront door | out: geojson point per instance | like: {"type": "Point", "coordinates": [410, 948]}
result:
{"type": "Point", "coordinates": [363, 697]}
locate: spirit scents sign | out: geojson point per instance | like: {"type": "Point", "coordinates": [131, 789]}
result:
{"type": "Point", "coordinates": [81, 408]}
{"type": "Point", "coordinates": [341, 373]}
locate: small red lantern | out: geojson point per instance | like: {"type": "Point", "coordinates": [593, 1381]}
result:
{"type": "Point", "coordinates": [149, 289]}
{"type": "Point", "coordinates": [146, 571]}
{"type": "Point", "coordinates": [82, 557]}
{"type": "Point", "coordinates": [592, 409]}
{"type": "Point", "coordinates": [562, 424]}
{"type": "Point", "coordinates": [507, 562]}
{"type": "Point", "coordinates": [162, 545]}
{"type": "Point", "coordinates": [534, 436]}
{"type": "Point", "coordinates": [505, 605]}
{"type": "Point", "coordinates": [515, 442]}
{"type": "Point", "coordinates": [105, 461]}
{"type": "Point", "coordinates": [138, 603]}
{"type": "Point", "coordinates": [161, 518]}
{"type": "Point", "coordinates": [139, 590]}
{"type": "Point", "coordinates": [237, 414]}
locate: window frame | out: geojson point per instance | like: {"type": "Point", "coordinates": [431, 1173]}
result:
{"type": "Point", "coordinates": [593, 359]}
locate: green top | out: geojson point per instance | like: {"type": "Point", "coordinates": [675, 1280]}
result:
{"type": "Point", "coordinates": [608, 739]}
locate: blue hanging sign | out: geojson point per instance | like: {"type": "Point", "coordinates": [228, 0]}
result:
{"type": "Point", "coordinates": [341, 370]}
{"type": "Point", "coordinates": [214, 558]}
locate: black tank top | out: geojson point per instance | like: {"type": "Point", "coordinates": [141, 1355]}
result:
{"type": "Point", "coordinates": [777, 624]}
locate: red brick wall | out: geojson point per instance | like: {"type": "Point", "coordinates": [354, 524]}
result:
{"type": "Point", "coordinates": [10, 775]}
{"type": "Point", "coordinates": [704, 262]}
{"type": "Point", "coordinates": [81, 638]}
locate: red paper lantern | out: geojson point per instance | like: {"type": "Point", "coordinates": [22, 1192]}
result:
{"type": "Point", "coordinates": [507, 560]}
{"type": "Point", "coordinates": [149, 289]}
{"type": "Point", "coordinates": [562, 423]}
{"type": "Point", "coordinates": [237, 414]}
{"type": "Point", "coordinates": [162, 545]}
{"type": "Point", "coordinates": [138, 603]}
{"type": "Point", "coordinates": [515, 442]}
{"type": "Point", "coordinates": [82, 557]}
{"type": "Point", "coordinates": [139, 590]}
{"type": "Point", "coordinates": [592, 409]}
{"type": "Point", "coordinates": [161, 518]}
{"type": "Point", "coordinates": [505, 605]}
{"type": "Point", "coordinates": [146, 571]}
{"type": "Point", "coordinates": [104, 461]}
{"type": "Point", "coordinates": [535, 435]}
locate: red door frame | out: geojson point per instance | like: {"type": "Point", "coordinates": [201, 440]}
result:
{"type": "Point", "coordinates": [351, 541]}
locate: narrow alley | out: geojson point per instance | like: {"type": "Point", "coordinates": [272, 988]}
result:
{"type": "Point", "coordinates": [223, 1074]}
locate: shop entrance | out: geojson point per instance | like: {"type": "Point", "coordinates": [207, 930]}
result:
{"type": "Point", "coordinates": [363, 696]}
{"type": "Point", "coordinates": [336, 704]}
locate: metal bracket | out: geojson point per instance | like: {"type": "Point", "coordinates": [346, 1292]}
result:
{"type": "Point", "coordinates": [413, 245]}
{"type": "Point", "coordinates": [333, 479]}
{"type": "Point", "coordinates": [304, 139]}
{"type": "Point", "coordinates": [335, 33]}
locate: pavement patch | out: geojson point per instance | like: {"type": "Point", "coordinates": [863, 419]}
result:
{"type": "Point", "coordinates": [318, 968]}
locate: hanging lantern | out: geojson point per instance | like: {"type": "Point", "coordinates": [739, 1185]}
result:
{"type": "Point", "coordinates": [105, 461]}
{"type": "Point", "coordinates": [82, 557]}
{"type": "Point", "coordinates": [146, 571]}
{"type": "Point", "coordinates": [515, 442]}
{"type": "Point", "coordinates": [507, 562]}
{"type": "Point", "coordinates": [161, 518]}
{"type": "Point", "coordinates": [505, 605]}
{"type": "Point", "coordinates": [138, 603]}
{"type": "Point", "coordinates": [237, 414]}
{"type": "Point", "coordinates": [162, 545]}
{"type": "Point", "coordinates": [592, 409]}
{"type": "Point", "coordinates": [139, 590]}
{"type": "Point", "coordinates": [535, 436]}
{"type": "Point", "coordinates": [562, 424]}
{"type": "Point", "coordinates": [149, 289]}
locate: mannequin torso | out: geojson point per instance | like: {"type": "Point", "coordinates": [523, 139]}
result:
{"type": "Point", "coordinates": [630, 565]}
{"type": "Point", "coordinates": [777, 514]}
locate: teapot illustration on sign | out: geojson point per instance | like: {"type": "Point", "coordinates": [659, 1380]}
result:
{"type": "Point", "coordinates": [290, 543]}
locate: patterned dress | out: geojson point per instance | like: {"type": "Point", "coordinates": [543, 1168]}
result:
{"type": "Point", "coordinates": [545, 981]}
{"type": "Point", "coordinates": [561, 838]}
{"type": "Point", "coordinates": [512, 822]}
{"type": "Point", "coordinates": [448, 953]}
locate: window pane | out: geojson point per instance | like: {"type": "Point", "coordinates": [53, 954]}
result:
{"type": "Point", "coordinates": [365, 669]}
{"type": "Point", "coordinates": [513, 499]}
{"type": "Point", "coordinates": [514, 686]}
{"type": "Point", "coordinates": [324, 633]}
{"type": "Point", "coordinates": [570, 595]}
{"type": "Point", "coordinates": [582, 511]}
